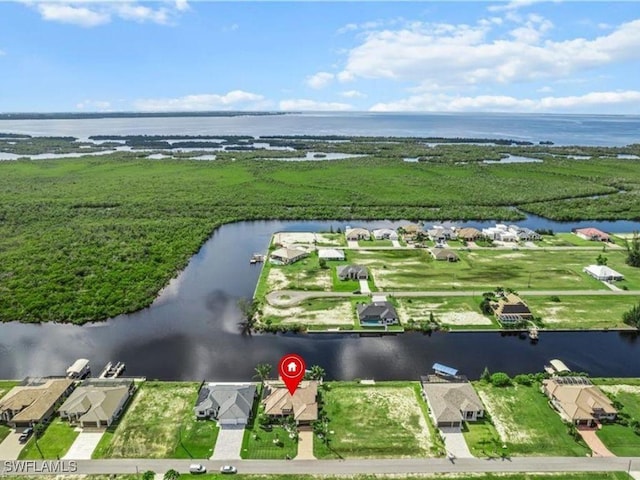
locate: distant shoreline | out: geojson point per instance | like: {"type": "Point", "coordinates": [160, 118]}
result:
{"type": "Point", "coordinates": [85, 115]}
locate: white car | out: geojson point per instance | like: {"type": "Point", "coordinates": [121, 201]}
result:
{"type": "Point", "coordinates": [197, 468]}
{"type": "Point", "coordinates": [228, 469]}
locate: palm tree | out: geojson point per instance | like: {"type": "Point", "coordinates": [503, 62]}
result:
{"type": "Point", "coordinates": [316, 372]}
{"type": "Point", "coordinates": [38, 430]}
{"type": "Point", "coordinates": [262, 371]}
{"type": "Point", "coordinates": [171, 475]}
{"type": "Point", "coordinates": [248, 310]}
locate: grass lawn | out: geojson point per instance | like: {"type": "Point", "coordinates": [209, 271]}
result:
{"type": "Point", "coordinates": [375, 243]}
{"type": "Point", "coordinates": [452, 476]}
{"type": "Point", "coordinates": [198, 439]}
{"type": "Point", "coordinates": [54, 442]}
{"type": "Point", "coordinates": [258, 442]}
{"type": "Point", "coordinates": [152, 424]}
{"type": "Point", "coordinates": [385, 420]}
{"type": "Point", "coordinates": [4, 431]}
{"type": "Point", "coordinates": [482, 438]}
{"type": "Point", "coordinates": [621, 440]}
{"type": "Point", "coordinates": [526, 423]}
{"type": "Point", "coordinates": [483, 270]}
{"type": "Point", "coordinates": [581, 311]}
{"type": "Point", "coordinates": [318, 313]}
{"type": "Point", "coordinates": [457, 313]}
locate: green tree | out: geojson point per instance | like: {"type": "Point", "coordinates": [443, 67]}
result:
{"type": "Point", "coordinates": [485, 376]}
{"type": "Point", "coordinates": [148, 475]}
{"type": "Point", "coordinates": [323, 263]}
{"type": "Point", "coordinates": [316, 372]}
{"type": "Point", "coordinates": [602, 260]}
{"type": "Point", "coordinates": [500, 379]}
{"type": "Point", "coordinates": [171, 475]}
{"type": "Point", "coordinates": [263, 370]}
{"type": "Point", "coordinates": [632, 317]}
{"type": "Point", "coordinates": [633, 250]}
{"type": "Point", "coordinates": [38, 431]}
{"type": "Point", "coordinates": [248, 310]}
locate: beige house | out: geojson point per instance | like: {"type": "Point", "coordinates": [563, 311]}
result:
{"type": "Point", "coordinates": [286, 256]}
{"type": "Point", "coordinates": [469, 234]}
{"type": "Point", "coordinates": [452, 401]}
{"type": "Point", "coordinates": [354, 234]}
{"type": "Point", "coordinates": [578, 401]}
{"type": "Point", "coordinates": [511, 310]}
{"type": "Point", "coordinates": [303, 405]}
{"type": "Point", "coordinates": [97, 403]}
{"type": "Point", "coordinates": [34, 401]}
{"type": "Point", "coordinates": [444, 254]}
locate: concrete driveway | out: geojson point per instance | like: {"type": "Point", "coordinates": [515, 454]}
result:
{"type": "Point", "coordinates": [594, 443]}
{"type": "Point", "coordinates": [455, 443]}
{"type": "Point", "coordinates": [10, 447]}
{"type": "Point", "coordinates": [305, 445]}
{"type": "Point", "coordinates": [84, 445]}
{"type": "Point", "coordinates": [364, 286]}
{"type": "Point", "coordinates": [229, 443]}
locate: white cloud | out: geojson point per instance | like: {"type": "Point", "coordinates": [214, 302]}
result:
{"type": "Point", "coordinates": [93, 105]}
{"type": "Point", "coordinates": [89, 13]}
{"type": "Point", "coordinates": [234, 100]}
{"type": "Point", "coordinates": [305, 104]}
{"type": "Point", "coordinates": [320, 80]}
{"type": "Point", "coordinates": [353, 94]}
{"type": "Point", "coordinates": [76, 15]}
{"type": "Point", "coordinates": [462, 55]}
{"type": "Point", "coordinates": [512, 5]}
{"type": "Point", "coordinates": [593, 102]}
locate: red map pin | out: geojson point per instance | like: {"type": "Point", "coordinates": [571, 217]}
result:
{"type": "Point", "coordinates": [291, 369]}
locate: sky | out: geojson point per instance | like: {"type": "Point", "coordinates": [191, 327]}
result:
{"type": "Point", "coordinates": [510, 56]}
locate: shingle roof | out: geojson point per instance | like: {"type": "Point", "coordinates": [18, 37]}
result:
{"type": "Point", "coordinates": [303, 404]}
{"type": "Point", "coordinates": [447, 400]}
{"type": "Point", "coordinates": [34, 400]}
{"type": "Point", "coordinates": [383, 310]}
{"type": "Point", "coordinates": [97, 401]}
{"type": "Point", "coordinates": [233, 401]}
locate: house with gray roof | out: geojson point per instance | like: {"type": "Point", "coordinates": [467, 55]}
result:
{"type": "Point", "coordinates": [377, 314]}
{"type": "Point", "coordinates": [352, 272]}
{"type": "Point", "coordinates": [228, 403]}
{"type": "Point", "coordinates": [98, 402]}
{"type": "Point", "coordinates": [444, 254]}
{"type": "Point", "coordinates": [451, 400]}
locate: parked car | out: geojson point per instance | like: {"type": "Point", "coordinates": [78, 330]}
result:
{"type": "Point", "coordinates": [197, 468]}
{"type": "Point", "coordinates": [228, 469]}
{"type": "Point", "coordinates": [25, 435]}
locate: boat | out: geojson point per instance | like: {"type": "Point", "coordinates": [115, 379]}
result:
{"type": "Point", "coordinates": [533, 334]}
{"type": "Point", "coordinates": [257, 258]}
{"type": "Point", "coordinates": [112, 371]}
{"type": "Point", "coordinates": [79, 369]}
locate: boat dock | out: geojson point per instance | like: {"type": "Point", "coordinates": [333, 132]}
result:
{"type": "Point", "coordinates": [79, 369]}
{"type": "Point", "coordinates": [556, 366]}
{"type": "Point", "coordinates": [112, 371]}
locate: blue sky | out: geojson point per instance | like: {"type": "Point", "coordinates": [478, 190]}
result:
{"type": "Point", "coordinates": [519, 56]}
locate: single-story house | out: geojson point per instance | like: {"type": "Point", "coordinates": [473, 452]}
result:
{"type": "Point", "coordinates": [331, 254]}
{"type": "Point", "coordinates": [440, 232]}
{"type": "Point", "coordinates": [303, 404]}
{"type": "Point", "coordinates": [452, 401]}
{"type": "Point", "coordinates": [377, 313]}
{"type": "Point", "coordinates": [444, 254]}
{"type": "Point", "coordinates": [352, 272]}
{"type": "Point", "coordinates": [469, 234]}
{"type": "Point", "coordinates": [525, 234]}
{"type": "Point", "coordinates": [355, 234]}
{"type": "Point", "coordinates": [385, 234]}
{"type": "Point", "coordinates": [501, 233]}
{"type": "Point", "coordinates": [97, 402]}
{"type": "Point", "coordinates": [286, 256]}
{"type": "Point", "coordinates": [511, 309]}
{"type": "Point", "coordinates": [578, 401]}
{"type": "Point", "coordinates": [603, 273]}
{"type": "Point", "coordinates": [33, 401]}
{"type": "Point", "coordinates": [228, 403]}
{"type": "Point", "coordinates": [591, 233]}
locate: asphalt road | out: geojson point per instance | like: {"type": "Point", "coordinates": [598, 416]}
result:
{"type": "Point", "coordinates": [355, 466]}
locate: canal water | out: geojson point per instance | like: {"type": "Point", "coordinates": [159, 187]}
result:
{"type": "Point", "coordinates": [191, 331]}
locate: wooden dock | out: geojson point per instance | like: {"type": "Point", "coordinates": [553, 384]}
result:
{"type": "Point", "coordinates": [112, 371]}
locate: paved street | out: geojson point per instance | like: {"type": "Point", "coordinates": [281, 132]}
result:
{"type": "Point", "coordinates": [364, 466]}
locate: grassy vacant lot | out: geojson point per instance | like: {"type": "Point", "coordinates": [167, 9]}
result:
{"type": "Point", "coordinates": [151, 428]}
{"type": "Point", "coordinates": [86, 239]}
{"type": "Point", "coordinates": [314, 313]}
{"type": "Point", "coordinates": [54, 443]}
{"type": "Point", "coordinates": [526, 423]}
{"type": "Point", "coordinates": [385, 420]}
{"type": "Point", "coordinates": [622, 440]}
{"type": "Point", "coordinates": [581, 311]}
{"type": "Point", "coordinates": [484, 270]}
{"type": "Point", "coordinates": [456, 313]}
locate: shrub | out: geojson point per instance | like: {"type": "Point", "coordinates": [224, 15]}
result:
{"type": "Point", "coordinates": [523, 379]}
{"type": "Point", "coordinates": [486, 375]}
{"type": "Point", "coordinates": [500, 379]}
{"type": "Point", "coordinates": [554, 298]}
